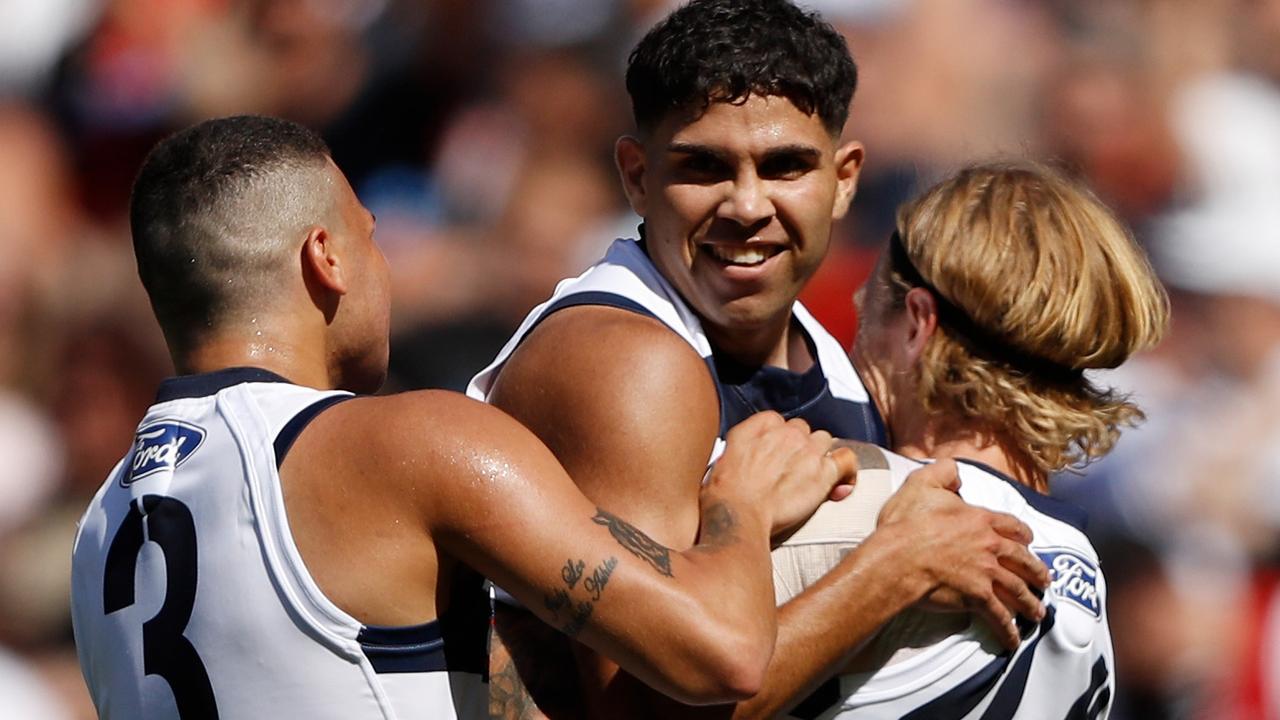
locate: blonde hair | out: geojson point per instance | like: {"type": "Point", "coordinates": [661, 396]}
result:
{"type": "Point", "coordinates": [1049, 283]}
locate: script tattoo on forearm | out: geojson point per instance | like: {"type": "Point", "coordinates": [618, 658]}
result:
{"type": "Point", "coordinates": [571, 572]}
{"type": "Point", "coordinates": [581, 614]}
{"type": "Point", "coordinates": [599, 578]}
{"type": "Point", "coordinates": [635, 541]}
{"type": "Point", "coordinates": [575, 615]}
{"type": "Point", "coordinates": [557, 601]}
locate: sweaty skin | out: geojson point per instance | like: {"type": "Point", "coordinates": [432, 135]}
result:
{"type": "Point", "coordinates": [632, 412]}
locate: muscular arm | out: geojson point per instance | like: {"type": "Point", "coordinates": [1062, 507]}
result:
{"type": "Point", "coordinates": [574, 374]}
{"type": "Point", "coordinates": [493, 497]}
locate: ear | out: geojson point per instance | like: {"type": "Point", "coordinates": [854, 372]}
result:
{"type": "Point", "coordinates": [848, 165]}
{"type": "Point", "coordinates": [322, 263]}
{"type": "Point", "coordinates": [922, 319]}
{"type": "Point", "coordinates": [628, 155]}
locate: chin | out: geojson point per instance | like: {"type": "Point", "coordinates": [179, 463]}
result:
{"type": "Point", "coordinates": [751, 312]}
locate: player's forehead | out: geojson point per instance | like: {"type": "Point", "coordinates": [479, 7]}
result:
{"type": "Point", "coordinates": [758, 122]}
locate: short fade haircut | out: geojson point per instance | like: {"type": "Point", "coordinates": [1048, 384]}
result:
{"type": "Point", "coordinates": [728, 50]}
{"type": "Point", "coordinates": [215, 210]}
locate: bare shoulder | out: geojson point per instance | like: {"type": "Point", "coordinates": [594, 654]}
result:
{"type": "Point", "coordinates": [627, 407]}
{"type": "Point", "coordinates": [600, 366]}
{"type": "Point", "coordinates": [424, 445]}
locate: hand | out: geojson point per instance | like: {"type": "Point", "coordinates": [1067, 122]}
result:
{"type": "Point", "coordinates": [787, 470]}
{"type": "Point", "coordinates": [972, 559]}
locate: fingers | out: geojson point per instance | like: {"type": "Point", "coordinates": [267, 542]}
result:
{"type": "Point", "coordinates": [756, 425]}
{"type": "Point", "coordinates": [942, 474]}
{"type": "Point", "coordinates": [1017, 596]}
{"type": "Point", "coordinates": [1023, 563]}
{"type": "Point", "coordinates": [1011, 527]}
{"type": "Point", "coordinates": [840, 492]}
{"type": "Point", "coordinates": [993, 612]}
{"type": "Point", "coordinates": [846, 463]}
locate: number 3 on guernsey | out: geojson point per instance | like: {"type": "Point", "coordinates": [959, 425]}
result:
{"type": "Point", "coordinates": [165, 651]}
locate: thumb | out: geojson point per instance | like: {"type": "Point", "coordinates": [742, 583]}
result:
{"type": "Point", "coordinates": [941, 474]}
{"type": "Point", "coordinates": [846, 464]}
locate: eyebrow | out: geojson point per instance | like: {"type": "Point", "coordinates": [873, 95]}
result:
{"type": "Point", "coordinates": [685, 148]}
{"type": "Point", "coordinates": [808, 152]}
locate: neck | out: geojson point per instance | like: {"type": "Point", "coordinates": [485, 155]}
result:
{"type": "Point", "coordinates": [287, 359]}
{"type": "Point", "coordinates": [992, 449]}
{"type": "Point", "coordinates": [777, 344]}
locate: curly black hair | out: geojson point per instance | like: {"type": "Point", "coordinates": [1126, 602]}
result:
{"type": "Point", "coordinates": [727, 50]}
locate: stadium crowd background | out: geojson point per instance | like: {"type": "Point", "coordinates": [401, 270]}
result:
{"type": "Point", "coordinates": [480, 133]}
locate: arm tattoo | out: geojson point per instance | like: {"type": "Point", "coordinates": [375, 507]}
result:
{"type": "Point", "coordinates": [718, 525]}
{"type": "Point", "coordinates": [571, 572]}
{"type": "Point", "coordinates": [531, 670]}
{"type": "Point", "coordinates": [509, 699]}
{"type": "Point", "coordinates": [636, 542]}
{"type": "Point", "coordinates": [557, 601]}
{"type": "Point", "coordinates": [581, 614]}
{"type": "Point", "coordinates": [599, 578]}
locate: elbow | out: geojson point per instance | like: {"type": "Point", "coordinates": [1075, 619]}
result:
{"type": "Point", "coordinates": [733, 671]}
{"type": "Point", "coordinates": [743, 678]}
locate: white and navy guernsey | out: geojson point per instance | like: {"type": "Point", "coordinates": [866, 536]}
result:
{"type": "Point", "coordinates": [829, 396]}
{"type": "Point", "coordinates": [938, 666]}
{"type": "Point", "coordinates": [190, 599]}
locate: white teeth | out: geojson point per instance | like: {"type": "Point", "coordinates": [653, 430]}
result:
{"type": "Point", "coordinates": [740, 256]}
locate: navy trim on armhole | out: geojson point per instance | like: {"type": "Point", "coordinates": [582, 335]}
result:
{"type": "Point", "coordinates": [289, 433]}
{"type": "Point", "coordinates": [457, 641]}
{"type": "Point", "coordinates": [1072, 515]}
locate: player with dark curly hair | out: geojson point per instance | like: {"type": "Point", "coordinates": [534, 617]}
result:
{"type": "Point", "coordinates": [633, 372]}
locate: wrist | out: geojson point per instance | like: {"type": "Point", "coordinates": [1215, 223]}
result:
{"type": "Point", "coordinates": [727, 515]}
{"type": "Point", "coordinates": [890, 559]}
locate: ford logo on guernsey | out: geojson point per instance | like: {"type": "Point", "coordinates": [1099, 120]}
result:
{"type": "Point", "coordinates": [162, 446]}
{"type": "Point", "coordinates": [1075, 578]}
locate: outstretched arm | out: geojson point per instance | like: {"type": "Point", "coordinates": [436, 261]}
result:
{"type": "Point", "coordinates": [698, 624]}
{"type": "Point", "coordinates": [631, 412]}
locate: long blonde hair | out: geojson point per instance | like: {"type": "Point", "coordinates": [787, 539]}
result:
{"type": "Point", "coordinates": [1041, 282]}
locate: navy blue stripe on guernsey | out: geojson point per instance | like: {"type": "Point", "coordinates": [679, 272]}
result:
{"type": "Point", "coordinates": [746, 390]}
{"type": "Point", "coordinates": [413, 648]}
{"type": "Point", "coordinates": [1072, 515]}
{"type": "Point", "coordinates": [458, 641]}
{"type": "Point", "coordinates": [1009, 696]}
{"type": "Point", "coordinates": [206, 384]}
{"type": "Point", "coordinates": [289, 433]}
{"type": "Point", "coordinates": [594, 297]}
{"type": "Point", "coordinates": [963, 698]}
{"type": "Point", "coordinates": [1092, 702]}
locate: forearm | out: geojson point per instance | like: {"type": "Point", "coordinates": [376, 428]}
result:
{"type": "Point", "coordinates": [718, 611]}
{"type": "Point", "coordinates": [823, 627]}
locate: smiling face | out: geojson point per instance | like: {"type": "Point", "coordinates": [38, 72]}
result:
{"type": "Point", "coordinates": [738, 204]}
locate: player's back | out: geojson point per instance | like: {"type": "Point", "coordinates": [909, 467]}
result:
{"type": "Point", "coordinates": [191, 600]}
{"type": "Point", "coordinates": [929, 665]}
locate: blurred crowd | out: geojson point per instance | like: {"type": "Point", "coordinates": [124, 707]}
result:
{"type": "Point", "coordinates": [480, 133]}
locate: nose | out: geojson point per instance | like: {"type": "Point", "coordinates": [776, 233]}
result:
{"type": "Point", "coordinates": [748, 201]}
